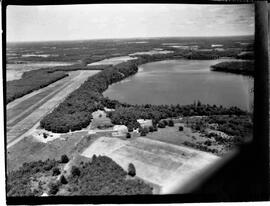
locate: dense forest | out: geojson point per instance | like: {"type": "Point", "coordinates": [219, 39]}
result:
{"type": "Point", "coordinates": [237, 67]}
{"type": "Point", "coordinates": [100, 176]}
{"type": "Point", "coordinates": [19, 181]}
{"type": "Point", "coordinates": [75, 112]}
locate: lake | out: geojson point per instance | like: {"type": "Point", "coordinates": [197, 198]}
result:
{"type": "Point", "coordinates": [183, 82]}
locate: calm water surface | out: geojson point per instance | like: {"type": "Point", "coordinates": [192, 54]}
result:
{"type": "Point", "coordinates": [182, 82]}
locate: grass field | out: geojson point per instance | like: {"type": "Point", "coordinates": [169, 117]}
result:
{"type": "Point", "coordinates": [173, 136]}
{"type": "Point", "coordinates": [29, 150]}
{"type": "Point", "coordinates": [155, 161]}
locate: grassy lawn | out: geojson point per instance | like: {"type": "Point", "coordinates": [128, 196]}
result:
{"type": "Point", "coordinates": [173, 136]}
{"type": "Point", "coordinates": [29, 150]}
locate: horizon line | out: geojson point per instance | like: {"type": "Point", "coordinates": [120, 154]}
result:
{"type": "Point", "coordinates": [157, 37]}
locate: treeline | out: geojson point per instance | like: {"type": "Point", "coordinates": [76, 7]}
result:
{"type": "Point", "coordinates": [30, 82]}
{"type": "Point", "coordinates": [129, 115]}
{"type": "Point", "coordinates": [75, 112]}
{"type": "Point", "coordinates": [208, 55]}
{"type": "Point", "coordinates": [76, 67]}
{"type": "Point", "coordinates": [202, 56]}
{"type": "Point", "coordinates": [237, 67]}
{"type": "Point", "coordinates": [201, 146]}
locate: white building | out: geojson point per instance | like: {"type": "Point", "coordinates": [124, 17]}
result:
{"type": "Point", "coordinates": [145, 122]}
{"type": "Point", "coordinates": [120, 130]}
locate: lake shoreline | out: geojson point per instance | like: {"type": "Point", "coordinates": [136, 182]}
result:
{"type": "Point", "coordinates": [126, 90]}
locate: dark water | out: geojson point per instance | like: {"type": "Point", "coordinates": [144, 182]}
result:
{"type": "Point", "coordinates": [182, 82]}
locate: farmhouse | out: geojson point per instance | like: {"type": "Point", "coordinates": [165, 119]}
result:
{"type": "Point", "coordinates": [145, 122]}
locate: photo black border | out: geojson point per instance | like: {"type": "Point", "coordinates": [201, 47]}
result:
{"type": "Point", "coordinates": [261, 113]}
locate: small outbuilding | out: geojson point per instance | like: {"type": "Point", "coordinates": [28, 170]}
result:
{"type": "Point", "coordinates": [145, 122]}
{"type": "Point", "coordinates": [44, 194]}
{"type": "Point", "coordinates": [108, 109]}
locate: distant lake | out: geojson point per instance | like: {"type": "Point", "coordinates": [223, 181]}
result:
{"type": "Point", "coordinates": [183, 82]}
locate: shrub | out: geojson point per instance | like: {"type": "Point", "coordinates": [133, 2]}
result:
{"type": "Point", "coordinates": [64, 159]}
{"type": "Point", "coordinates": [208, 143]}
{"type": "Point", "coordinates": [131, 170]}
{"type": "Point", "coordinates": [53, 188]}
{"type": "Point", "coordinates": [94, 157]}
{"type": "Point", "coordinates": [128, 135]}
{"type": "Point", "coordinates": [56, 171]}
{"type": "Point", "coordinates": [171, 123]}
{"type": "Point", "coordinates": [45, 135]}
{"type": "Point", "coordinates": [63, 180]}
{"type": "Point", "coordinates": [165, 122]}
{"type": "Point", "coordinates": [48, 165]}
{"type": "Point", "coordinates": [144, 132]}
{"type": "Point", "coordinates": [75, 171]}
{"type": "Point", "coordinates": [130, 128]}
{"type": "Point", "coordinates": [151, 129]}
{"type": "Point", "coordinates": [181, 128]}
{"type": "Point", "coordinates": [146, 129]}
{"type": "Point", "coordinates": [161, 125]}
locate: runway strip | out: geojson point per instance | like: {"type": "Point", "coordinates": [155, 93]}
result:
{"type": "Point", "coordinates": [20, 123]}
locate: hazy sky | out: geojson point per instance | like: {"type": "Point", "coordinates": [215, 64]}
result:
{"type": "Point", "coordinates": [69, 22]}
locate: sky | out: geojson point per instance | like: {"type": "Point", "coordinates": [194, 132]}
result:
{"type": "Point", "coordinates": [98, 21]}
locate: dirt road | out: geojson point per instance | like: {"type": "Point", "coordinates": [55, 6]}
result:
{"type": "Point", "coordinates": [26, 112]}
